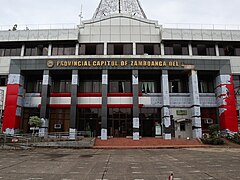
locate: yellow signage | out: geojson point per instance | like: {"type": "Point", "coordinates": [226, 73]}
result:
{"type": "Point", "coordinates": [113, 63]}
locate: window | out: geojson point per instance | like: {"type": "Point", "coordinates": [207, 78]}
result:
{"type": "Point", "coordinates": [148, 86]}
{"type": "Point", "coordinates": [206, 86]}
{"type": "Point", "coordinates": [182, 126]}
{"type": "Point", "coordinates": [172, 48]}
{"type": "Point", "coordinates": [63, 49]}
{"type": "Point", "coordinates": [236, 82]}
{"type": "Point", "coordinates": [120, 49]}
{"type": "Point", "coordinates": [61, 86]}
{"type": "Point", "coordinates": [118, 86]}
{"type": "Point", "coordinates": [229, 49]}
{"type": "Point", "coordinates": [3, 80]}
{"type": "Point", "coordinates": [10, 50]}
{"type": "Point", "coordinates": [91, 49]}
{"type": "Point", "coordinates": [36, 50]}
{"type": "Point", "coordinates": [91, 86]}
{"type": "Point", "coordinates": [34, 86]}
{"type": "Point", "coordinates": [203, 49]}
{"type": "Point", "coordinates": [148, 49]}
{"type": "Point", "coordinates": [178, 86]}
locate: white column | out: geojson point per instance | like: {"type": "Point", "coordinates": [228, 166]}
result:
{"type": "Point", "coordinates": [217, 50]}
{"type": "Point", "coordinates": [105, 48]}
{"type": "Point", "coordinates": [165, 109]}
{"type": "Point", "coordinates": [77, 49]}
{"type": "Point", "coordinates": [49, 49]}
{"type": "Point", "coordinates": [196, 113]}
{"type": "Point", "coordinates": [134, 48]}
{"type": "Point", "coordinates": [190, 51]}
{"type": "Point", "coordinates": [22, 50]}
{"type": "Point", "coordinates": [162, 49]}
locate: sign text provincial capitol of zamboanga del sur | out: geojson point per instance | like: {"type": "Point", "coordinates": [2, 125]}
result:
{"type": "Point", "coordinates": [113, 63]}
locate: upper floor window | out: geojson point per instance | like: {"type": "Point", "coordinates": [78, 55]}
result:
{"type": "Point", "coordinates": [91, 86]}
{"type": "Point", "coordinates": [34, 86]}
{"type": "Point", "coordinates": [3, 80]}
{"type": "Point", "coordinates": [229, 49]}
{"type": "Point", "coordinates": [63, 49]}
{"type": "Point", "coordinates": [120, 49]}
{"type": "Point", "coordinates": [36, 50]}
{"type": "Point", "coordinates": [201, 49]}
{"type": "Point", "coordinates": [10, 49]}
{"type": "Point", "coordinates": [119, 86]}
{"type": "Point", "coordinates": [91, 49]}
{"type": "Point", "coordinates": [148, 49]}
{"type": "Point", "coordinates": [61, 86]}
{"type": "Point", "coordinates": [178, 83]}
{"type": "Point", "coordinates": [176, 48]}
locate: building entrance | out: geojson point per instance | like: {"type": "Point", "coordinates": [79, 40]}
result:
{"type": "Point", "coordinates": [150, 121]}
{"type": "Point", "coordinates": [119, 122]}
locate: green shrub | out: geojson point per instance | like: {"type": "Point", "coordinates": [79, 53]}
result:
{"type": "Point", "coordinates": [234, 138]}
{"type": "Point", "coordinates": [214, 136]}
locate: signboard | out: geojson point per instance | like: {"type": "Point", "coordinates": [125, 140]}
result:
{"type": "Point", "coordinates": [136, 123]}
{"type": "Point", "coordinates": [158, 130]}
{"type": "Point", "coordinates": [182, 112]}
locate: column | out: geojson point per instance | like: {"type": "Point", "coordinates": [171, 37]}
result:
{"type": "Point", "coordinates": [45, 100]}
{"type": "Point", "coordinates": [13, 104]}
{"type": "Point", "coordinates": [217, 50]}
{"type": "Point", "coordinates": [49, 49]}
{"type": "Point", "coordinates": [190, 51]}
{"type": "Point", "coordinates": [226, 103]}
{"type": "Point", "coordinates": [104, 104]}
{"type": "Point", "coordinates": [162, 49]}
{"type": "Point", "coordinates": [166, 121]}
{"type": "Point", "coordinates": [105, 48]}
{"type": "Point", "coordinates": [74, 101]}
{"type": "Point", "coordinates": [196, 112]}
{"type": "Point", "coordinates": [77, 49]}
{"type": "Point", "coordinates": [22, 50]}
{"type": "Point", "coordinates": [134, 48]}
{"type": "Point", "coordinates": [135, 105]}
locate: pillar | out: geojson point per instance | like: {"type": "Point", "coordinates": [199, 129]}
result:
{"type": "Point", "coordinates": [166, 121]}
{"type": "Point", "coordinates": [13, 104]}
{"type": "Point", "coordinates": [226, 103]}
{"type": "Point", "coordinates": [217, 50]}
{"type": "Point", "coordinates": [134, 48]}
{"type": "Point", "coordinates": [196, 112]}
{"type": "Point", "coordinates": [135, 105]}
{"type": "Point", "coordinates": [162, 49]}
{"type": "Point", "coordinates": [45, 101]}
{"type": "Point", "coordinates": [105, 48]}
{"type": "Point", "coordinates": [190, 51]}
{"type": "Point", "coordinates": [104, 104]}
{"type": "Point", "coordinates": [49, 49]}
{"type": "Point", "coordinates": [74, 101]}
{"type": "Point", "coordinates": [77, 49]}
{"type": "Point", "coordinates": [22, 50]}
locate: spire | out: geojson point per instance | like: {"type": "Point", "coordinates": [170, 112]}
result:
{"type": "Point", "coordinates": [109, 7]}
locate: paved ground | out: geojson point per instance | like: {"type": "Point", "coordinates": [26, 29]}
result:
{"type": "Point", "coordinates": [134, 164]}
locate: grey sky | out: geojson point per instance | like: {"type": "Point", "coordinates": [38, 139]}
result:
{"type": "Point", "coordinates": [165, 11]}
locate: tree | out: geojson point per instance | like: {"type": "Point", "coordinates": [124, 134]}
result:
{"type": "Point", "coordinates": [35, 121]}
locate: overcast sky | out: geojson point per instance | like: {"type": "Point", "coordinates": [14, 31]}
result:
{"type": "Point", "coordinates": [23, 12]}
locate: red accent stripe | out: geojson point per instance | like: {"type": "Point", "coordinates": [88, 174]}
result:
{"type": "Point", "coordinates": [59, 105]}
{"type": "Point", "coordinates": [119, 105]}
{"type": "Point", "coordinates": [120, 94]}
{"type": "Point", "coordinates": [89, 105]}
{"type": "Point", "coordinates": [89, 94]}
{"type": "Point", "coordinates": [60, 94]}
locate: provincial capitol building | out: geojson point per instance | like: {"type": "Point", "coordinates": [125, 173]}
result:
{"type": "Point", "coordinates": [120, 74]}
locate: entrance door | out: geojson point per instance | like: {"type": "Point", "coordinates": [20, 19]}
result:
{"type": "Point", "coordinates": [119, 122]}
{"type": "Point", "coordinates": [148, 128]}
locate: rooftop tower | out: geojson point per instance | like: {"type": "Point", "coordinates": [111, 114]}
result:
{"type": "Point", "coordinates": [109, 7]}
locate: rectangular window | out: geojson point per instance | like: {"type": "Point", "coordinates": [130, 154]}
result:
{"type": "Point", "coordinates": [203, 49]}
{"type": "Point", "coordinates": [148, 49]}
{"type": "Point", "coordinates": [118, 86]}
{"type": "Point", "coordinates": [63, 49]}
{"type": "Point", "coordinates": [182, 126]}
{"type": "Point", "coordinates": [3, 80]}
{"type": "Point", "coordinates": [120, 49]}
{"type": "Point", "coordinates": [36, 50]}
{"type": "Point", "coordinates": [91, 49]}
{"type": "Point", "coordinates": [90, 86]}
{"type": "Point", "coordinates": [173, 48]}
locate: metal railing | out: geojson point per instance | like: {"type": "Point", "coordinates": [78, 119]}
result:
{"type": "Point", "coordinates": [202, 26]}
{"type": "Point", "coordinates": [38, 26]}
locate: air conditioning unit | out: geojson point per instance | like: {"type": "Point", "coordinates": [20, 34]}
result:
{"type": "Point", "coordinates": [208, 121]}
{"type": "Point", "coordinates": [57, 126]}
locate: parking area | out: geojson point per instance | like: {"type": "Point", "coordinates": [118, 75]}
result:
{"type": "Point", "coordinates": [134, 164]}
